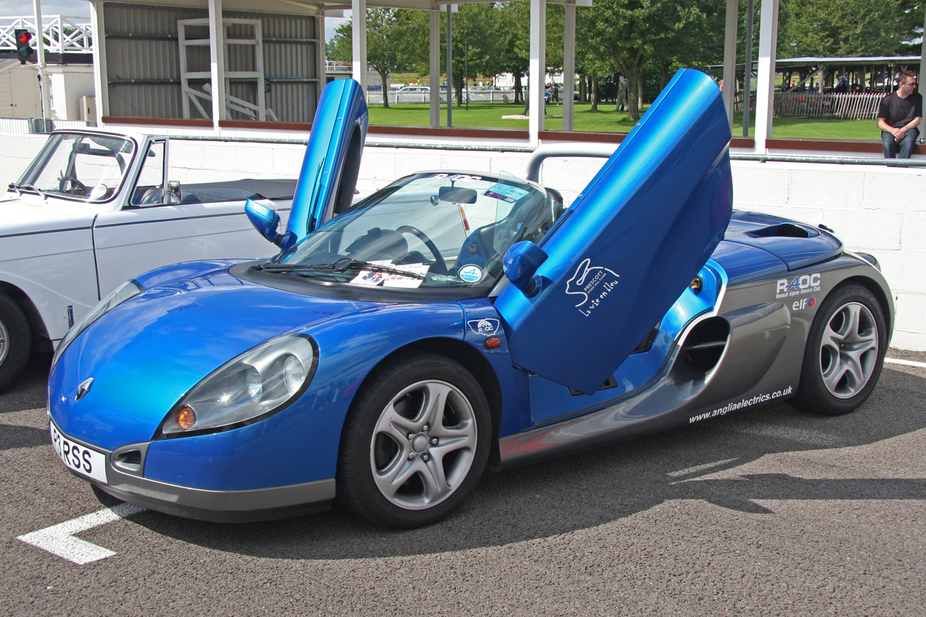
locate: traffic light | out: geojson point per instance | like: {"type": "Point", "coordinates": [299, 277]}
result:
{"type": "Point", "coordinates": [24, 50]}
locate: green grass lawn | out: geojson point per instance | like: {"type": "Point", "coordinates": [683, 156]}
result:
{"type": "Point", "coordinates": [605, 120]}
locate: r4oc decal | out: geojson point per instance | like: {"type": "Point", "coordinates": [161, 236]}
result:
{"type": "Point", "coordinates": [799, 285]}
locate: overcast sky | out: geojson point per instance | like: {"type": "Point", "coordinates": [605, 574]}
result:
{"type": "Point", "coordinates": [81, 8]}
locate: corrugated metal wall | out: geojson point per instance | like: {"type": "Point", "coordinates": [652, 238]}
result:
{"type": "Point", "coordinates": [143, 62]}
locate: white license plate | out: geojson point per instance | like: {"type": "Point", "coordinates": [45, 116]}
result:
{"type": "Point", "coordinates": [83, 460]}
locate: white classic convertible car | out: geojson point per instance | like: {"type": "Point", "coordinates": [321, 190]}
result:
{"type": "Point", "coordinates": [96, 208]}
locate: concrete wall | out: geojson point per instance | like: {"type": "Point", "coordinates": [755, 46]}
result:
{"type": "Point", "coordinates": [876, 209]}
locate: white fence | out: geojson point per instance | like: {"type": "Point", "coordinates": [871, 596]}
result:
{"type": "Point", "coordinates": [27, 126]}
{"type": "Point", "coordinates": [843, 105]}
{"type": "Point", "coordinates": [472, 95]}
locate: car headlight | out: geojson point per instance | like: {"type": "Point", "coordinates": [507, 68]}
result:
{"type": "Point", "coordinates": [126, 291]}
{"type": "Point", "coordinates": [256, 384]}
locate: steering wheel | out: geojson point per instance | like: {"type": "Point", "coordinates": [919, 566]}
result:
{"type": "Point", "coordinates": [67, 184]}
{"type": "Point", "coordinates": [439, 265]}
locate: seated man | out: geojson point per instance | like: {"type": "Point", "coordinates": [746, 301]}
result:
{"type": "Point", "coordinates": [899, 116]}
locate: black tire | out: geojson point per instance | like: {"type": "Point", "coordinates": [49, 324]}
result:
{"type": "Point", "coordinates": [15, 340]}
{"type": "Point", "coordinates": [844, 353]}
{"type": "Point", "coordinates": [403, 463]}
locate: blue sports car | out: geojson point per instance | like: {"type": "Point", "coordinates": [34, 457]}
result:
{"type": "Point", "coordinates": [397, 347]}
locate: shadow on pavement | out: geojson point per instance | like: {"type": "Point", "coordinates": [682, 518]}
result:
{"type": "Point", "coordinates": [28, 391]}
{"type": "Point", "coordinates": [601, 486]}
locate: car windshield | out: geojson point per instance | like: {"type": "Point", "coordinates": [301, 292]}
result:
{"type": "Point", "coordinates": [80, 166]}
{"type": "Point", "coordinates": [426, 230]}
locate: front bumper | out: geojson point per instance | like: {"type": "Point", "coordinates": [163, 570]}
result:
{"type": "Point", "coordinates": [125, 482]}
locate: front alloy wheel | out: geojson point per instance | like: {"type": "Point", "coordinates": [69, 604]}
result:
{"type": "Point", "coordinates": [415, 443]}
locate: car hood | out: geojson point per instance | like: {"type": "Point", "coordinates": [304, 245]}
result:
{"type": "Point", "coordinates": [757, 245]}
{"type": "Point", "coordinates": [145, 354]}
{"type": "Point", "coordinates": [28, 213]}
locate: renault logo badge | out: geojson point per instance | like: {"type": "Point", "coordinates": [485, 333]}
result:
{"type": "Point", "coordinates": [83, 388]}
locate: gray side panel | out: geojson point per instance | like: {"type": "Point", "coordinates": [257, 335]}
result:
{"type": "Point", "coordinates": [761, 363]}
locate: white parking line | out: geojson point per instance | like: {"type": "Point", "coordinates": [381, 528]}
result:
{"type": "Point", "coordinates": [698, 468]}
{"type": "Point", "coordinates": [906, 362]}
{"type": "Point", "coordinates": [59, 539]}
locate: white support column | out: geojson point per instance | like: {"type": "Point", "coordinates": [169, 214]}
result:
{"type": "Point", "coordinates": [729, 56]}
{"type": "Point", "coordinates": [320, 70]}
{"type": "Point", "coordinates": [434, 68]}
{"type": "Point", "coordinates": [569, 64]}
{"type": "Point", "coordinates": [765, 85]}
{"type": "Point", "coordinates": [217, 62]}
{"type": "Point", "coordinates": [359, 33]}
{"type": "Point", "coordinates": [448, 57]}
{"type": "Point", "coordinates": [40, 57]}
{"type": "Point", "coordinates": [99, 60]}
{"type": "Point", "coordinates": [537, 71]}
{"type": "Point", "coordinates": [922, 72]}
{"type": "Point", "coordinates": [259, 67]}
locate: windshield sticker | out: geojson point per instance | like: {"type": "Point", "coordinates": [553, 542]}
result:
{"type": "Point", "coordinates": [413, 280]}
{"type": "Point", "coordinates": [593, 284]}
{"type": "Point", "coordinates": [798, 286]}
{"type": "Point", "coordinates": [459, 177]}
{"type": "Point", "coordinates": [470, 273]}
{"type": "Point", "coordinates": [485, 327]}
{"type": "Point", "coordinates": [505, 192]}
{"type": "Point", "coordinates": [371, 277]}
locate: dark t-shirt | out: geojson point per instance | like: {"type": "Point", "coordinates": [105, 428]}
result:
{"type": "Point", "coordinates": [897, 111]}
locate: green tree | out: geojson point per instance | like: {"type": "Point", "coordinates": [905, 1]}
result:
{"type": "Point", "coordinates": [475, 30]}
{"type": "Point", "coordinates": [393, 37]}
{"type": "Point", "coordinates": [626, 32]}
{"type": "Point", "coordinates": [825, 28]}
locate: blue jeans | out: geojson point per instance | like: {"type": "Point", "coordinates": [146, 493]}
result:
{"type": "Point", "coordinates": [899, 149]}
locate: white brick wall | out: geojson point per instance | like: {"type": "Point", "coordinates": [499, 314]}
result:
{"type": "Point", "coordinates": [872, 208]}
{"type": "Point", "coordinates": [875, 209]}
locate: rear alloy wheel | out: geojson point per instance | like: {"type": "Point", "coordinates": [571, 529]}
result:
{"type": "Point", "coordinates": [415, 444]}
{"type": "Point", "coordinates": [844, 353]}
{"type": "Point", "coordinates": [15, 340]}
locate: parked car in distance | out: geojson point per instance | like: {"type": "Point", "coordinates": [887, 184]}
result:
{"type": "Point", "coordinates": [95, 208]}
{"type": "Point", "coordinates": [455, 321]}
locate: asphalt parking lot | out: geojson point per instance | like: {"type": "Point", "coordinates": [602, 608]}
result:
{"type": "Point", "coordinates": [766, 512]}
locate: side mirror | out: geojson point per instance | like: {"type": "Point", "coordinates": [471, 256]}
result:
{"type": "Point", "coordinates": [521, 263]}
{"type": "Point", "coordinates": [264, 219]}
{"type": "Point", "coordinates": [173, 192]}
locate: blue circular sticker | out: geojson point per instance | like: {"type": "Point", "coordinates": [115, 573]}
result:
{"type": "Point", "coordinates": [470, 274]}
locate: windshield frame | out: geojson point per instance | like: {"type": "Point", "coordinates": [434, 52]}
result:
{"type": "Point", "coordinates": [54, 149]}
{"type": "Point", "coordinates": [435, 211]}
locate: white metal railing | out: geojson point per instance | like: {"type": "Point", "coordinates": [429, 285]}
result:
{"type": "Point", "coordinates": [396, 97]}
{"type": "Point", "coordinates": [60, 33]}
{"type": "Point", "coordinates": [844, 105]}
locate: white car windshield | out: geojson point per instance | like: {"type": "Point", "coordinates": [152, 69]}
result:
{"type": "Point", "coordinates": [79, 166]}
{"type": "Point", "coordinates": [426, 230]}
